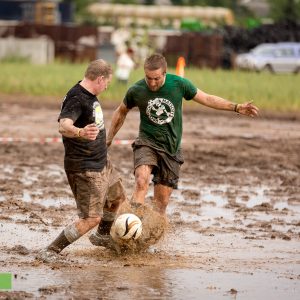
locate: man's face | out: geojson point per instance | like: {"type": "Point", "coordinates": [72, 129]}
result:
{"type": "Point", "coordinates": [104, 82]}
{"type": "Point", "coordinates": [155, 79]}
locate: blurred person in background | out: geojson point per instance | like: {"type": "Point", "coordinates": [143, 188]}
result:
{"type": "Point", "coordinates": [125, 64]}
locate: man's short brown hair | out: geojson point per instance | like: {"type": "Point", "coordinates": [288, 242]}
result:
{"type": "Point", "coordinates": [154, 62]}
{"type": "Point", "coordinates": [98, 68]}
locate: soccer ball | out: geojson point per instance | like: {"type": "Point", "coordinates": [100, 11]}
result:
{"type": "Point", "coordinates": [127, 226]}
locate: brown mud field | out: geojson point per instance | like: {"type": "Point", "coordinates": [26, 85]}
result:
{"type": "Point", "coordinates": [234, 222]}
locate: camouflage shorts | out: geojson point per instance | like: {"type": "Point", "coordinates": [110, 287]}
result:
{"type": "Point", "coordinates": [95, 191]}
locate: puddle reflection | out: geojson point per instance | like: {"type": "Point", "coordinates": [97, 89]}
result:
{"type": "Point", "coordinates": [216, 203]}
{"type": "Point", "coordinates": [154, 283]}
{"type": "Point", "coordinates": [47, 202]}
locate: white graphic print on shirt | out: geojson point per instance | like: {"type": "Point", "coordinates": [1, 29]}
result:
{"type": "Point", "coordinates": [160, 111]}
{"type": "Point", "coordinates": [98, 115]}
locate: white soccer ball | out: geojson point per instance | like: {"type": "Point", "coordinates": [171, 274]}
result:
{"type": "Point", "coordinates": [127, 226]}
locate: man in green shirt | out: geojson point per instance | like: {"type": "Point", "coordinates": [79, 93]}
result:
{"type": "Point", "coordinates": [157, 149]}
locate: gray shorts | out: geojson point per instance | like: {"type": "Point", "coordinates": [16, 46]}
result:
{"type": "Point", "coordinates": [165, 170]}
{"type": "Point", "coordinates": [96, 191]}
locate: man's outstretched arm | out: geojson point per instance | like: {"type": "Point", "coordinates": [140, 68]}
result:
{"type": "Point", "coordinates": [117, 121]}
{"type": "Point", "coordinates": [217, 102]}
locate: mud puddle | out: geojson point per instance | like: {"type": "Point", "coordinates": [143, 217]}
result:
{"type": "Point", "coordinates": [233, 223]}
{"type": "Point", "coordinates": [152, 283]}
{"type": "Point", "coordinates": [199, 256]}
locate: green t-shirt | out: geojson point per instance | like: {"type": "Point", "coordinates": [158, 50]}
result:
{"type": "Point", "coordinates": [161, 111]}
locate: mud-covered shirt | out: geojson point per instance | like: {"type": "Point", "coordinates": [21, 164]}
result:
{"type": "Point", "coordinates": [80, 154]}
{"type": "Point", "coordinates": [161, 111]}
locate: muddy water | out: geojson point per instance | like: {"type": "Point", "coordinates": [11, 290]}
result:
{"type": "Point", "coordinates": [233, 223]}
{"type": "Point", "coordinates": [199, 258]}
{"type": "Point", "coordinates": [155, 283]}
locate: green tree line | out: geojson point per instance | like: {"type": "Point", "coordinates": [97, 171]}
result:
{"type": "Point", "coordinates": [280, 10]}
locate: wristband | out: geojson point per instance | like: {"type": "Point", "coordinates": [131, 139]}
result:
{"type": "Point", "coordinates": [78, 132]}
{"type": "Point", "coordinates": [236, 108]}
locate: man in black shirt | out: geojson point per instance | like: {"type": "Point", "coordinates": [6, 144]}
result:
{"type": "Point", "coordinates": [95, 184]}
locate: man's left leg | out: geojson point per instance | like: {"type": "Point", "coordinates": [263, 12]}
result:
{"type": "Point", "coordinates": [162, 195]}
{"type": "Point", "coordinates": [165, 179]}
{"type": "Point", "coordinates": [115, 197]}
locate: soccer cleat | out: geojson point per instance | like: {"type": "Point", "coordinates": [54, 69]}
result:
{"type": "Point", "coordinates": [104, 240]}
{"type": "Point", "coordinates": [136, 205]}
{"type": "Point", "coordinates": [48, 256]}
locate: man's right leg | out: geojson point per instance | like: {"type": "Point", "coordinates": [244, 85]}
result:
{"type": "Point", "coordinates": [142, 179]}
{"type": "Point", "coordinates": [68, 236]}
{"type": "Point", "coordinates": [162, 194]}
{"type": "Point", "coordinates": [145, 159]}
{"type": "Point", "coordinates": [115, 197]}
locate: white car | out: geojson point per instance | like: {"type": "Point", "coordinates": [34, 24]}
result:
{"type": "Point", "coordinates": [275, 58]}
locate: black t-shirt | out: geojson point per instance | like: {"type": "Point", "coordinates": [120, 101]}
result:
{"type": "Point", "coordinates": [80, 154]}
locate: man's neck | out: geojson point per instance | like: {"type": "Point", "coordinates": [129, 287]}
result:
{"type": "Point", "coordinates": [88, 85]}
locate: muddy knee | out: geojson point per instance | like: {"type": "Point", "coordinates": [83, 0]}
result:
{"type": "Point", "coordinates": [115, 197]}
{"type": "Point", "coordinates": [141, 182]}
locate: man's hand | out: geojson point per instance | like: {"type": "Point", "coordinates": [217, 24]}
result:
{"type": "Point", "coordinates": [89, 132]}
{"type": "Point", "coordinates": [67, 129]}
{"type": "Point", "coordinates": [108, 142]}
{"type": "Point", "coordinates": [247, 109]}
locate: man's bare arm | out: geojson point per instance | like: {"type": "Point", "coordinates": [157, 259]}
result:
{"type": "Point", "coordinates": [117, 121]}
{"type": "Point", "coordinates": [217, 102]}
{"type": "Point", "coordinates": [67, 129]}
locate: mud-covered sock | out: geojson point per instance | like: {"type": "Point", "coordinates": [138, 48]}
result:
{"type": "Point", "coordinates": [136, 205]}
{"type": "Point", "coordinates": [104, 227]}
{"type": "Point", "coordinates": [106, 222]}
{"type": "Point", "coordinates": [59, 243]}
{"type": "Point", "coordinates": [69, 235]}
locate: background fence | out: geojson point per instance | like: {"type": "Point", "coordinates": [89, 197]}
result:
{"type": "Point", "coordinates": [73, 43]}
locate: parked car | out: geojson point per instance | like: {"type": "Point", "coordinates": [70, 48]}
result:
{"type": "Point", "coordinates": [275, 58]}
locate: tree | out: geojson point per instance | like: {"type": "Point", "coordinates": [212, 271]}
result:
{"type": "Point", "coordinates": [232, 4]}
{"type": "Point", "coordinates": [81, 14]}
{"type": "Point", "coordinates": [285, 10]}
